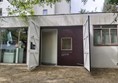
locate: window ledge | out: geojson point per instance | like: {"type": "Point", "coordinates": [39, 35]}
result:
{"type": "Point", "coordinates": [107, 45]}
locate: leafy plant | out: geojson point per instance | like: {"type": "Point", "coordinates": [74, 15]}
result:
{"type": "Point", "coordinates": [113, 1]}
{"type": "Point", "coordinates": [25, 7]}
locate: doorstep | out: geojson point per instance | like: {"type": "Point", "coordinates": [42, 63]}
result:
{"type": "Point", "coordinates": [12, 64]}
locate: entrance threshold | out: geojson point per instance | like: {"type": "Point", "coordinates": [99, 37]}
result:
{"type": "Point", "coordinates": [13, 64]}
{"type": "Point", "coordinates": [61, 66]}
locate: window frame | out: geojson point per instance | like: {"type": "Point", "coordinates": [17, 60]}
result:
{"type": "Point", "coordinates": [0, 11]}
{"type": "Point", "coordinates": [1, 0]}
{"type": "Point", "coordinates": [45, 11]}
{"type": "Point", "coordinates": [101, 28]}
{"type": "Point", "coordinates": [62, 43]}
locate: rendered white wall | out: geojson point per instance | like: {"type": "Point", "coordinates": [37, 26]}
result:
{"type": "Point", "coordinates": [10, 22]}
{"type": "Point", "coordinates": [62, 7]}
{"type": "Point", "coordinates": [49, 47]}
{"type": "Point", "coordinates": [76, 6]}
{"type": "Point", "coordinates": [38, 10]}
{"type": "Point", "coordinates": [103, 56]}
{"type": "Point", "coordinates": [4, 5]}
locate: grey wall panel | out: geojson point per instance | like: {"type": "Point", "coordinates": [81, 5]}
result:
{"type": "Point", "coordinates": [9, 22]}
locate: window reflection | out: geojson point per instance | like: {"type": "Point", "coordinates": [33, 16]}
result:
{"type": "Point", "coordinates": [66, 43]}
{"type": "Point", "coordinates": [13, 43]}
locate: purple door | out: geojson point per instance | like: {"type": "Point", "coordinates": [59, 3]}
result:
{"type": "Point", "coordinates": [70, 46]}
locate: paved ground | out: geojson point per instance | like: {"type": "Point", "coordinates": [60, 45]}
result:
{"type": "Point", "coordinates": [49, 74]}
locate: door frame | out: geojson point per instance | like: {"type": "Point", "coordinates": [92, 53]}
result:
{"type": "Point", "coordinates": [52, 28]}
{"type": "Point", "coordinates": [47, 30]}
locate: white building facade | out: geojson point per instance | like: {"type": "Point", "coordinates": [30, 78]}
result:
{"type": "Point", "coordinates": [62, 7]}
{"type": "Point", "coordinates": [4, 4]}
{"type": "Point", "coordinates": [100, 39]}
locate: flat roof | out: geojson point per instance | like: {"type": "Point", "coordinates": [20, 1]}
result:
{"type": "Point", "coordinates": [63, 14]}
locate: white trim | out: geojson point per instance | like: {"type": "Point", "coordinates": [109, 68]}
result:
{"type": "Point", "coordinates": [50, 30]}
{"type": "Point", "coordinates": [62, 42]}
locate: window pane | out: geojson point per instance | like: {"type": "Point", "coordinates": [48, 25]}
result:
{"type": "Point", "coordinates": [12, 43]}
{"type": "Point", "coordinates": [109, 26]}
{"type": "Point", "coordinates": [66, 43]}
{"type": "Point", "coordinates": [105, 36]}
{"type": "Point", "coordinates": [45, 12]}
{"type": "Point", "coordinates": [97, 37]}
{"type": "Point", "coordinates": [114, 38]}
{"type": "Point", "coordinates": [96, 26]}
